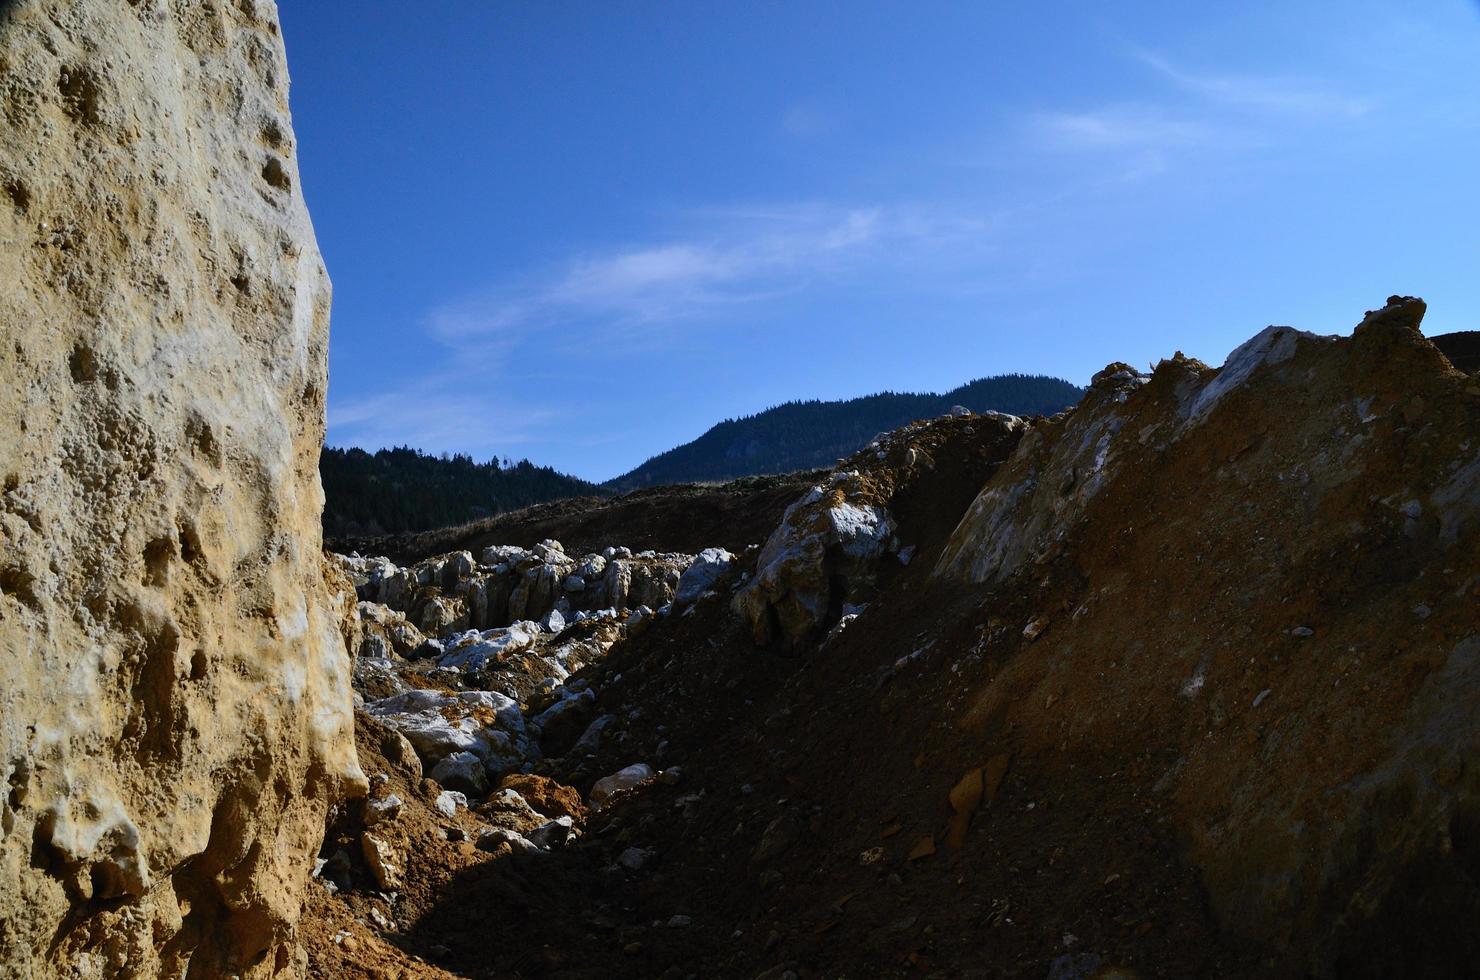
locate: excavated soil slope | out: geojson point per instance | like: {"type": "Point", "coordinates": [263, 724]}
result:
{"type": "Point", "coordinates": [685, 518]}
{"type": "Point", "coordinates": [1190, 690]}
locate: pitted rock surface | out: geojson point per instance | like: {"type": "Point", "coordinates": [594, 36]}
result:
{"type": "Point", "coordinates": [175, 705]}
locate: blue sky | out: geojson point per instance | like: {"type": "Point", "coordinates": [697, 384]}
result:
{"type": "Point", "coordinates": [584, 232]}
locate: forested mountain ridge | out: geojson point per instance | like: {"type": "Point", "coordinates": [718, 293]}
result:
{"type": "Point", "coordinates": [1462, 348]}
{"type": "Point", "coordinates": [394, 491]}
{"type": "Point", "coordinates": [803, 435]}
{"type": "Point", "coordinates": [403, 489]}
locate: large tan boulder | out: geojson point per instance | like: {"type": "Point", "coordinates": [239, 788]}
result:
{"type": "Point", "coordinates": [175, 711]}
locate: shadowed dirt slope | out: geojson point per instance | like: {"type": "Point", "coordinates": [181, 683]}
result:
{"type": "Point", "coordinates": [1183, 682]}
{"type": "Point", "coordinates": [687, 517]}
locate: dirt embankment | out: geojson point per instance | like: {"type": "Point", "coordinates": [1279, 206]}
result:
{"type": "Point", "coordinates": [685, 518]}
{"type": "Point", "coordinates": [1184, 685]}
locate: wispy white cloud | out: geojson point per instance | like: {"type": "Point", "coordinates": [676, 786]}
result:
{"type": "Point", "coordinates": [1196, 111]}
{"type": "Point", "coordinates": [1122, 127]}
{"type": "Point", "coordinates": [809, 119]}
{"type": "Point", "coordinates": [739, 255]}
{"type": "Point", "coordinates": [621, 302]}
{"type": "Point", "coordinates": [1264, 93]}
{"type": "Point", "coordinates": [453, 410]}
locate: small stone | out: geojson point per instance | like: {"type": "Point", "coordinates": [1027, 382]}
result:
{"type": "Point", "coordinates": [1072, 967]}
{"type": "Point", "coordinates": [780, 834]}
{"type": "Point", "coordinates": [707, 568]}
{"type": "Point", "coordinates": [1034, 630]}
{"type": "Point", "coordinates": [871, 856]}
{"type": "Point", "coordinates": [624, 779]}
{"type": "Point", "coordinates": [1303, 632]}
{"type": "Point", "coordinates": [462, 771]}
{"type": "Point", "coordinates": [546, 795]}
{"type": "Point", "coordinates": [385, 808]}
{"type": "Point", "coordinates": [679, 922]}
{"type": "Point", "coordinates": [556, 833]}
{"type": "Point", "coordinates": [383, 861]}
{"type": "Point", "coordinates": [671, 776]}
{"type": "Point", "coordinates": [398, 751]}
{"type": "Point", "coordinates": [490, 840]}
{"type": "Point", "coordinates": [1259, 698]}
{"type": "Point", "coordinates": [634, 858]}
{"type": "Point", "coordinates": [456, 834]}
{"type": "Point", "coordinates": [449, 801]}
{"type": "Point", "coordinates": [506, 808]}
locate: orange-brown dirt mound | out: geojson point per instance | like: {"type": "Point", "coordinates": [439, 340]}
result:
{"type": "Point", "coordinates": [1189, 689]}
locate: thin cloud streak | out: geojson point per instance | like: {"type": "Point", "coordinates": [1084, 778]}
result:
{"type": "Point", "coordinates": [1122, 127]}
{"type": "Point", "coordinates": [1263, 93]}
{"type": "Point", "coordinates": [754, 255]}
{"type": "Point", "coordinates": [629, 300]}
{"type": "Point", "coordinates": [1202, 112]}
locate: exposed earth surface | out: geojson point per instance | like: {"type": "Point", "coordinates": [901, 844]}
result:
{"type": "Point", "coordinates": [1182, 682]}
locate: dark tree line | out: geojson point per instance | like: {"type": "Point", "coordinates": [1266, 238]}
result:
{"type": "Point", "coordinates": [1462, 349]}
{"type": "Point", "coordinates": [404, 489]}
{"type": "Point", "coordinates": [810, 434]}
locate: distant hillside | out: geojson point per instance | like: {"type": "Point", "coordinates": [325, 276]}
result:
{"type": "Point", "coordinates": [812, 434]}
{"type": "Point", "coordinates": [398, 490]}
{"type": "Point", "coordinates": [1462, 348]}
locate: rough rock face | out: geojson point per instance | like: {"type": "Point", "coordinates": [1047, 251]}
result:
{"type": "Point", "coordinates": [821, 559]}
{"type": "Point", "coordinates": [175, 712]}
{"type": "Point", "coordinates": [1266, 576]}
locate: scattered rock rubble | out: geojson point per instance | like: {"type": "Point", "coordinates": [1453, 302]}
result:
{"type": "Point", "coordinates": [472, 695]}
{"type": "Point", "coordinates": [507, 584]}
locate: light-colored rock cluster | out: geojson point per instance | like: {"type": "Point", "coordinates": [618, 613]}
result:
{"type": "Point", "coordinates": [175, 711]}
{"type": "Point", "coordinates": [477, 707]}
{"type": "Point", "coordinates": [821, 560]}
{"type": "Point", "coordinates": [522, 703]}
{"type": "Point", "coordinates": [508, 584]}
{"type": "Point", "coordinates": [504, 703]}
